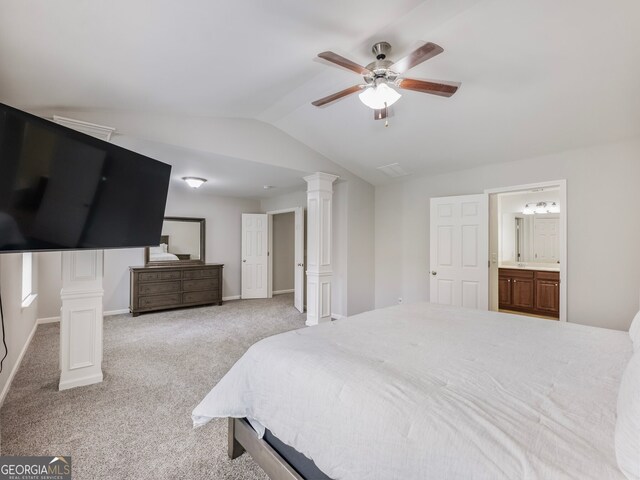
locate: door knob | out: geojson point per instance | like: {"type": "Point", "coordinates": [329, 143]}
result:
{"type": "Point", "coordinates": [434, 273]}
{"type": "Point", "coordinates": [244, 260]}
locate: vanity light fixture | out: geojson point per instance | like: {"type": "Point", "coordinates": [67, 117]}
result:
{"type": "Point", "coordinates": [541, 208]}
{"type": "Point", "coordinates": [194, 182]}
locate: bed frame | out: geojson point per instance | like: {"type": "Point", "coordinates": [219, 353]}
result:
{"type": "Point", "coordinates": [243, 438]}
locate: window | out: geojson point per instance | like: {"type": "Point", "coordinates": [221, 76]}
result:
{"type": "Point", "coordinates": [27, 279]}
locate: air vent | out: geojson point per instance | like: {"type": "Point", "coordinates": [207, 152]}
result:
{"type": "Point", "coordinates": [98, 131]}
{"type": "Point", "coordinates": [393, 170]}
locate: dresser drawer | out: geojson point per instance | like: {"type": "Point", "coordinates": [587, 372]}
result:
{"type": "Point", "coordinates": [198, 285]}
{"type": "Point", "coordinates": [205, 273]}
{"type": "Point", "coordinates": [551, 276]}
{"type": "Point", "coordinates": [155, 276]}
{"type": "Point", "coordinates": [201, 297]}
{"type": "Point", "coordinates": [159, 300]}
{"type": "Point", "coordinates": [157, 288]}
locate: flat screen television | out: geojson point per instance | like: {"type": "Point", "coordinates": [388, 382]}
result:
{"type": "Point", "coordinates": [64, 190]}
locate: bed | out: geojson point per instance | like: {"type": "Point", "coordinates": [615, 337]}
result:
{"type": "Point", "coordinates": [429, 391]}
{"type": "Point", "coordinates": [161, 252]}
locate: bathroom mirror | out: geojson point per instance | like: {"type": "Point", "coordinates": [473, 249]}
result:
{"type": "Point", "coordinates": [182, 241]}
{"type": "Point", "coordinates": [530, 238]}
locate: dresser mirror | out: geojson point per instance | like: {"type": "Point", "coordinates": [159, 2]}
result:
{"type": "Point", "coordinates": [182, 242]}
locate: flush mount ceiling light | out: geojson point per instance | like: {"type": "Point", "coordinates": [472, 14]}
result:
{"type": "Point", "coordinates": [541, 208]}
{"type": "Point", "coordinates": [194, 182]}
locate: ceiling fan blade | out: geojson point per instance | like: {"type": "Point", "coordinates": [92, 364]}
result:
{"type": "Point", "coordinates": [337, 96]}
{"type": "Point", "coordinates": [425, 52]}
{"type": "Point", "coordinates": [425, 86]}
{"type": "Point", "coordinates": [381, 113]}
{"type": "Point", "coordinates": [343, 62]}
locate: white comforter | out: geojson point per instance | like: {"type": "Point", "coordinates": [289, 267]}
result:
{"type": "Point", "coordinates": [162, 257]}
{"type": "Point", "coordinates": [431, 392]}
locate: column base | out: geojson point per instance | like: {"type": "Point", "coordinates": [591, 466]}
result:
{"type": "Point", "coordinates": [71, 381]}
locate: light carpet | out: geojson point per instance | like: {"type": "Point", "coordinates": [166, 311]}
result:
{"type": "Point", "coordinates": [137, 423]}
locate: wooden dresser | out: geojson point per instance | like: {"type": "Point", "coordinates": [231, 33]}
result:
{"type": "Point", "coordinates": [174, 286]}
{"type": "Point", "coordinates": [529, 291]}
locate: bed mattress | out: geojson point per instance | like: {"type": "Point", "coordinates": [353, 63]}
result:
{"type": "Point", "coordinates": [427, 391]}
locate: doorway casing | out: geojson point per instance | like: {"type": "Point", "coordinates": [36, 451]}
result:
{"type": "Point", "coordinates": [299, 247]}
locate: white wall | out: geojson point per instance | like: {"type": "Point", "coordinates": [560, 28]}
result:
{"type": "Point", "coordinates": [360, 252]}
{"type": "Point", "coordinates": [603, 227]}
{"type": "Point", "coordinates": [223, 234]}
{"type": "Point", "coordinates": [283, 251]}
{"type": "Point", "coordinates": [19, 322]}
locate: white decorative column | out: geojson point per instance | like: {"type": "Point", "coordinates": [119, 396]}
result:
{"type": "Point", "coordinates": [319, 270]}
{"type": "Point", "coordinates": [81, 318]}
{"type": "Point", "coordinates": [81, 314]}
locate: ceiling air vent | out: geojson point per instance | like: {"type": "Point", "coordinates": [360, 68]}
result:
{"type": "Point", "coordinates": [393, 170]}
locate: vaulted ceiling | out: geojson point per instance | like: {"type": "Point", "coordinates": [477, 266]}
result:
{"type": "Point", "coordinates": [537, 76]}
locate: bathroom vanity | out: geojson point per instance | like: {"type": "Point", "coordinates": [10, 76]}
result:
{"type": "Point", "coordinates": [529, 290]}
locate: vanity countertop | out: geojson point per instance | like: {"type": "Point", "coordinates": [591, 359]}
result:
{"type": "Point", "coordinates": [543, 267]}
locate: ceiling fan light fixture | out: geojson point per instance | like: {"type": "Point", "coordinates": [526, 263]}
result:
{"type": "Point", "coordinates": [194, 182]}
{"type": "Point", "coordinates": [379, 97]}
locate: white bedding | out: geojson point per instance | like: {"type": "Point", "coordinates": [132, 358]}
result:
{"type": "Point", "coordinates": [162, 257]}
{"type": "Point", "coordinates": [431, 392]}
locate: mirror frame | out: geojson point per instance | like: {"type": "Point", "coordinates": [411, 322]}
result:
{"type": "Point", "coordinates": [202, 260]}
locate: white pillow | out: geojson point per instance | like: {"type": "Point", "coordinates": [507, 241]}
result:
{"type": "Point", "coordinates": [165, 247]}
{"type": "Point", "coordinates": [155, 250]}
{"type": "Point", "coordinates": [634, 332]}
{"type": "Point", "coordinates": [628, 422]}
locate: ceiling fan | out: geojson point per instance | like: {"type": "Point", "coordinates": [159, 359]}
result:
{"type": "Point", "coordinates": [376, 92]}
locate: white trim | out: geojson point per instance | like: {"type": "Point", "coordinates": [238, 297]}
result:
{"type": "Point", "coordinates": [280, 292]}
{"type": "Point", "coordinates": [270, 214]}
{"type": "Point", "coordinates": [337, 316]}
{"type": "Point", "coordinates": [98, 131]}
{"type": "Point", "coordinates": [81, 382]}
{"type": "Point", "coordinates": [231, 297]}
{"type": "Point", "coordinates": [15, 368]}
{"type": "Point", "coordinates": [26, 303]}
{"type": "Point", "coordinates": [282, 210]}
{"type": "Point", "coordinates": [562, 184]}
{"type": "Point", "coordinates": [42, 321]}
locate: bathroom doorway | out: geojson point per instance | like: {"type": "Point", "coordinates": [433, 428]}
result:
{"type": "Point", "coordinates": [528, 250]}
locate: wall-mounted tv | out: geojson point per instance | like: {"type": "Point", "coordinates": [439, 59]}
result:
{"type": "Point", "coordinates": [64, 190]}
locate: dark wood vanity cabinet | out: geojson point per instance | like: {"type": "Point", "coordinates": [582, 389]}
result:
{"type": "Point", "coordinates": [174, 286]}
{"type": "Point", "coordinates": [529, 291]}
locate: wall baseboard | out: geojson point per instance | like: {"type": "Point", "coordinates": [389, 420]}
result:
{"type": "Point", "coordinates": [108, 313]}
{"type": "Point", "coordinates": [42, 321]}
{"type": "Point", "coordinates": [280, 292]}
{"type": "Point", "coordinates": [337, 316]}
{"type": "Point", "coordinates": [15, 368]}
{"type": "Point", "coordinates": [232, 297]}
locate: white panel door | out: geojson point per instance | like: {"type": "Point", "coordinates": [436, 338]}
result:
{"type": "Point", "coordinates": [298, 296]}
{"type": "Point", "coordinates": [459, 251]}
{"type": "Point", "coordinates": [546, 241]}
{"type": "Point", "coordinates": [254, 255]}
